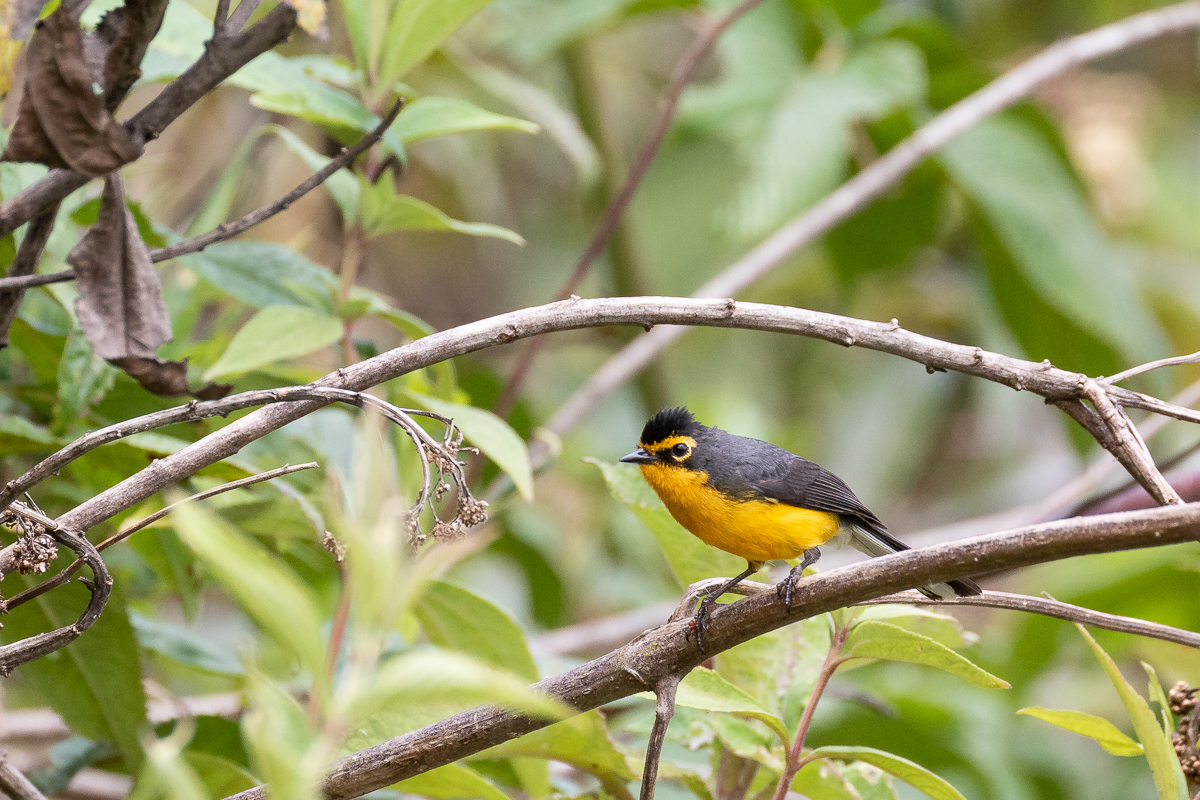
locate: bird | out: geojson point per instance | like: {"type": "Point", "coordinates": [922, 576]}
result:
{"type": "Point", "coordinates": [759, 502]}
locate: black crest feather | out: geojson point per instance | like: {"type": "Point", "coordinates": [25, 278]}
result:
{"type": "Point", "coordinates": [666, 423]}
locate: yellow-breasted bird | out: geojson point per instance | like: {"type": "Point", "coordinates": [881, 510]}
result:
{"type": "Point", "coordinates": [758, 501]}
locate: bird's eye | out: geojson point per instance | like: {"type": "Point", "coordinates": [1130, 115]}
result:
{"type": "Point", "coordinates": [680, 450]}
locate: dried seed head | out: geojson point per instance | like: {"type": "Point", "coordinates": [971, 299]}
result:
{"type": "Point", "coordinates": [447, 531]}
{"type": "Point", "coordinates": [472, 512]}
{"type": "Point", "coordinates": [335, 547]}
{"type": "Point", "coordinates": [1181, 698]}
{"type": "Point", "coordinates": [33, 554]}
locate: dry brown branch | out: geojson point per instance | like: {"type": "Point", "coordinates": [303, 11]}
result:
{"type": "Point", "coordinates": [1040, 378]}
{"type": "Point", "coordinates": [1174, 361]}
{"type": "Point", "coordinates": [222, 57]}
{"type": "Point", "coordinates": [664, 710]}
{"type": "Point", "coordinates": [65, 575]}
{"type": "Point", "coordinates": [876, 179]}
{"type": "Point", "coordinates": [14, 784]}
{"type": "Point", "coordinates": [681, 76]}
{"type": "Point", "coordinates": [670, 650]}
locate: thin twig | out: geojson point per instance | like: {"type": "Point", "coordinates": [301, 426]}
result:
{"type": "Point", "coordinates": [65, 575]}
{"type": "Point", "coordinates": [221, 19]}
{"type": "Point", "coordinates": [30, 281]}
{"type": "Point", "coordinates": [241, 15]}
{"type": "Point", "coordinates": [227, 230]}
{"type": "Point", "coordinates": [664, 709]}
{"type": "Point", "coordinates": [681, 76]}
{"type": "Point", "coordinates": [1174, 361]}
{"type": "Point", "coordinates": [875, 180]}
{"type": "Point", "coordinates": [1053, 608]}
{"type": "Point", "coordinates": [14, 783]}
{"type": "Point", "coordinates": [668, 649]}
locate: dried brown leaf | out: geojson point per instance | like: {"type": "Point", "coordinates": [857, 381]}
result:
{"type": "Point", "coordinates": [120, 306]}
{"type": "Point", "coordinates": [62, 120]}
{"type": "Point", "coordinates": [168, 378]}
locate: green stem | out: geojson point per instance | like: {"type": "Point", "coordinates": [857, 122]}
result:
{"type": "Point", "coordinates": [833, 660]}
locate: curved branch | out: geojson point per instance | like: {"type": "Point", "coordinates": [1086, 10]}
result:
{"type": "Point", "coordinates": [26, 650]}
{"type": "Point", "coordinates": [876, 179]}
{"type": "Point", "coordinates": [1040, 378]}
{"type": "Point", "coordinates": [670, 650]}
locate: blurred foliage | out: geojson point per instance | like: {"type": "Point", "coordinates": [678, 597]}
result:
{"type": "Point", "coordinates": [1064, 229]}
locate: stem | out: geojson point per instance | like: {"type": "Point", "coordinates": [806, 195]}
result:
{"type": "Point", "coordinates": [337, 635]}
{"type": "Point", "coordinates": [833, 660]}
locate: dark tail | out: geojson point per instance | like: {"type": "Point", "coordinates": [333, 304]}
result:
{"type": "Point", "coordinates": [875, 541]}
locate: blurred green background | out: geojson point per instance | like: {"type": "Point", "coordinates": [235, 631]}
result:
{"type": "Point", "coordinates": [1065, 229]}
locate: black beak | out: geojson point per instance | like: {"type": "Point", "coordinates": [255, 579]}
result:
{"type": "Point", "coordinates": [639, 456]}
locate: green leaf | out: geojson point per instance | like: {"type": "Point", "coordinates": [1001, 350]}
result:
{"type": "Point", "coordinates": [779, 668]}
{"type": "Point", "coordinates": [874, 639]}
{"type": "Point", "coordinates": [1157, 695]}
{"type": "Point", "coordinates": [914, 775]}
{"type": "Point", "coordinates": [322, 105]}
{"type": "Point", "coordinates": [489, 433]}
{"type": "Point", "coordinates": [276, 333]}
{"type": "Point", "coordinates": [341, 185]}
{"type": "Point", "coordinates": [1103, 732]}
{"type": "Point", "coordinates": [456, 619]}
{"type": "Point", "coordinates": [690, 559]}
{"type": "Point", "coordinates": [1041, 221]}
{"type": "Point", "coordinates": [438, 678]}
{"type": "Point", "coordinates": [19, 435]}
{"type": "Point", "coordinates": [1160, 753]}
{"type": "Point", "coordinates": [95, 683]}
{"type": "Point", "coordinates": [83, 380]}
{"type": "Point", "coordinates": [822, 781]}
{"type": "Point", "coordinates": [706, 690]}
{"type": "Point", "coordinates": [580, 741]}
{"type": "Point", "coordinates": [278, 738]}
{"type": "Point", "coordinates": [270, 593]}
{"type": "Point", "coordinates": [416, 29]}
{"type": "Point", "coordinates": [384, 211]}
{"type": "Point", "coordinates": [217, 205]}
{"type": "Point", "coordinates": [940, 627]}
{"type": "Point", "coordinates": [262, 274]}
{"type": "Point", "coordinates": [220, 776]}
{"type": "Point", "coordinates": [185, 646]}
{"type": "Point", "coordinates": [451, 782]}
{"type": "Point", "coordinates": [162, 551]}
{"type": "Point", "coordinates": [438, 116]}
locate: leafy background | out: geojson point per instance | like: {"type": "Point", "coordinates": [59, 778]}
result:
{"type": "Point", "coordinates": [1064, 229]}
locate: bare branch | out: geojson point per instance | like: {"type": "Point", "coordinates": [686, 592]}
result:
{"type": "Point", "coordinates": [664, 710]}
{"type": "Point", "coordinates": [220, 60]}
{"type": "Point", "coordinates": [30, 281]}
{"type": "Point", "coordinates": [876, 179]}
{"type": "Point", "coordinates": [228, 230]}
{"type": "Point", "coordinates": [669, 649]}
{"type": "Point", "coordinates": [681, 76]}
{"type": "Point", "coordinates": [14, 784]}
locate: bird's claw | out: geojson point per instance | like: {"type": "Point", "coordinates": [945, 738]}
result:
{"type": "Point", "coordinates": [703, 619]}
{"type": "Point", "coordinates": [785, 587]}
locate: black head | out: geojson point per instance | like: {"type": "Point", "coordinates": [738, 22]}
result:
{"type": "Point", "coordinates": [668, 438]}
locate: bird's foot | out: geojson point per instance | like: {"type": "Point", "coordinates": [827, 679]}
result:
{"type": "Point", "coordinates": [703, 619]}
{"type": "Point", "coordinates": [785, 587]}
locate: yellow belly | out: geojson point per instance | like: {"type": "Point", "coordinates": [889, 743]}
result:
{"type": "Point", "coordinates": [755, 530]}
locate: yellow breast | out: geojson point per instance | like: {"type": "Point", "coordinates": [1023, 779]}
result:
{"type": "Point", "coordinates": [756, 530]}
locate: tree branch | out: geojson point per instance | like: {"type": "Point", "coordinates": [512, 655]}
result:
{"type": "Point", "coordinates": [14, 783]}
{"type": "Point", "coordinates": [1041, 378]}
{"type": "Point", "coordinates": [670, 650]}
{"type": "Point", "coordinates": [876, 179]}
{"type": "Point", "coordinates": [221, 59]}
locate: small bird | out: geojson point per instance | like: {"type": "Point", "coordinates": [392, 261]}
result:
{"type": "Point", "coordinates": [758, 501]}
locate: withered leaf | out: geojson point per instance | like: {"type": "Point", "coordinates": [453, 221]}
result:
{"type": "Point", "coordinates": [62, 121]}
{"type": "Point", "coordinates": [120, 306]}
{"type": "Point", "coordinates": [168, 378]}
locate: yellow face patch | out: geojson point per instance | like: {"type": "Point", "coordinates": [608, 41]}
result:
{"type": "Point", "coordinates": [666, 448]}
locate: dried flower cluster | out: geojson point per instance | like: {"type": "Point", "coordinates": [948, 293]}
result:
{"type": "Point", "coordinates": [35, 548]}
{"type": "Point", "coordinates": [1182, 701]}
